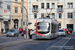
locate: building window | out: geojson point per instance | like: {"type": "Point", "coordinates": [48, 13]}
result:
{"type": "Point", "coordinates": [35, 7]}
{"type": "Point", "coordinates": [60, 15]}
{"type": "Point", "coordinates": [8, 7]}
{"type": "Point", "coordinates": [53, 5]}
{"type": "Point", "coordinates": [53, 15]}
{"type": "Point", "coordinates": [60, 8]}
{"type": "Point", "coordinates": [16, 9]}
{"type": "Point", "coordinates": [16, 0]}
{"type": "Point", "coordinates": [70, 5]}
{"type": "Point", "coordinates": [0, 6]}
{"type": "Point", "coordinates": [42, 5]}
{"type": "Point", "coordinates": [48, 5]}
{"type": "Point", "coordinates": [59, 25]}
{"type": "Point", "coordinates": [35, 15]}
{"type": "Point", "coordinates": [42, 14]}
{"type": "Point", "coordinates": [21, 10]}
{"type": "Point", "coordinates": [70, 15]}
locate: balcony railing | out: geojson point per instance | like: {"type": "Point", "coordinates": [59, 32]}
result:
{"type": "Point", "coordinates": [60, 10]}
{"type": "Point", "coordinates": [35, 10]}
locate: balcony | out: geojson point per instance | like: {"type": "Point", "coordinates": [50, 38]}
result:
{"type": "Point", "coordinates": [35, 10]}
{"type": "Point", "coordinates": [60, 10]}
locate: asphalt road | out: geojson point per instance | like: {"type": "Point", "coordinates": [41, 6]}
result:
{"type": "Point", "coordinates": [18, 43]}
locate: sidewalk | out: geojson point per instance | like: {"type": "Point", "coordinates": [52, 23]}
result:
{"type": "Point", "coordinates": [2, 34]}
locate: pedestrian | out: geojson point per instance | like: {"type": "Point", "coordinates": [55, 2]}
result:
{"type": "Point", "coordinates": [24, 33]}
{"type": "Point", "coordinates": [31, 34]}
{"type": "Point", "coordinates": [20, 30]}
{"type": "Point", "coordinates": [2, 31]}
{"type": "Point", "coordinates": [69, 32]}
{"type": "Point", "coordinates": [66, 30]}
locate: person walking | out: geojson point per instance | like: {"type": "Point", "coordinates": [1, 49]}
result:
{"type": "Point", "coordinates": [66, 30]}
{"type": "Point", "coordinates": [31, 34]}
{"type": "Point", "coordinates": [20, 30]}
{"type": "Point", "coordinates": [24, 33]}
{"type": "Point", "coordinates": [2, 31]}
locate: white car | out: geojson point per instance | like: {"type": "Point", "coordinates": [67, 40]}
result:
{"type": "Point", "coordinates": [61, 32]}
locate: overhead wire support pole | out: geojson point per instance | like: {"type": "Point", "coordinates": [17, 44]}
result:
{"type": "Point", "coordinates": [23, 16]}
{"type": "Point", "coordinates": [11, 15]}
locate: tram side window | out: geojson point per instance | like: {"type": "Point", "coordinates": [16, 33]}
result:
{"type": "Point", "coordinates": [52, 28]}
{"type": "Point", "coordinates": [55, 28]}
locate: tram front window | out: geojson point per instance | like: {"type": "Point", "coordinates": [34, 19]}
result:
{"type": "Point", "coordinates": [43, 27]}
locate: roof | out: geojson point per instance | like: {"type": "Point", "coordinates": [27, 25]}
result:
{"type": "Point", "coordinates": [47, 19]}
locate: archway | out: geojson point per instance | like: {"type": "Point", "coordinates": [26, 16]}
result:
{"type": "Point", "coordinates": [16, 23]}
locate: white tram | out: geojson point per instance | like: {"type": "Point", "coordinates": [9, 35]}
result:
{"type": "Point", "coordinates": [46, 28]}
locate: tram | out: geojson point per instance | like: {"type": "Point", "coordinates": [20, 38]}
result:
{"type": "Point", "coordinates": [46, 28]}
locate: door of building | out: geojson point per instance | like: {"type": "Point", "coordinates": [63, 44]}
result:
{"type": "Point", "coordinates": [70, 26]}
{"type": "Point", "coordinates": [16, 23]}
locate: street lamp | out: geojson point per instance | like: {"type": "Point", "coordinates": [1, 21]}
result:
{"type": "Point", "coordinates": [22, 14]}
{"type": "Point", "coordinates": [49, 13]}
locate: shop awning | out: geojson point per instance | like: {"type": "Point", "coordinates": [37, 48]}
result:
{"type": "Point", "coordinates": [35, 3]}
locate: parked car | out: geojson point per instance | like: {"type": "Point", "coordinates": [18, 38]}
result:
{"type": "Point", "coordinates": [33, 32]}
{"type": "Point", "coordinates": [69, 29]}
{"type": "Point", "coordinates": [61, 32]}
{"type": "Point", "coordinates": [13, 32]}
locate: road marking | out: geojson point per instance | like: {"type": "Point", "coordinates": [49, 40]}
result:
{"type": "Point", "coordinates": [65, 43]}
{"type": "Point", "coordinates": [55, 43]}
{"type": "Point", "coordinates": [59, 41]}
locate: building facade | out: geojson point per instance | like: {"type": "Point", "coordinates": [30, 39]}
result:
{"type": "Point", "coordinates": [61, 10]}
{"type": "Point", "coordinates": [4, 14]}
{"type": "Point", "coordinates": [17, 13]}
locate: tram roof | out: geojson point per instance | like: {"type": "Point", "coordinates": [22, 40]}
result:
{"type": "Point", "coordinates": [47, 19]}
